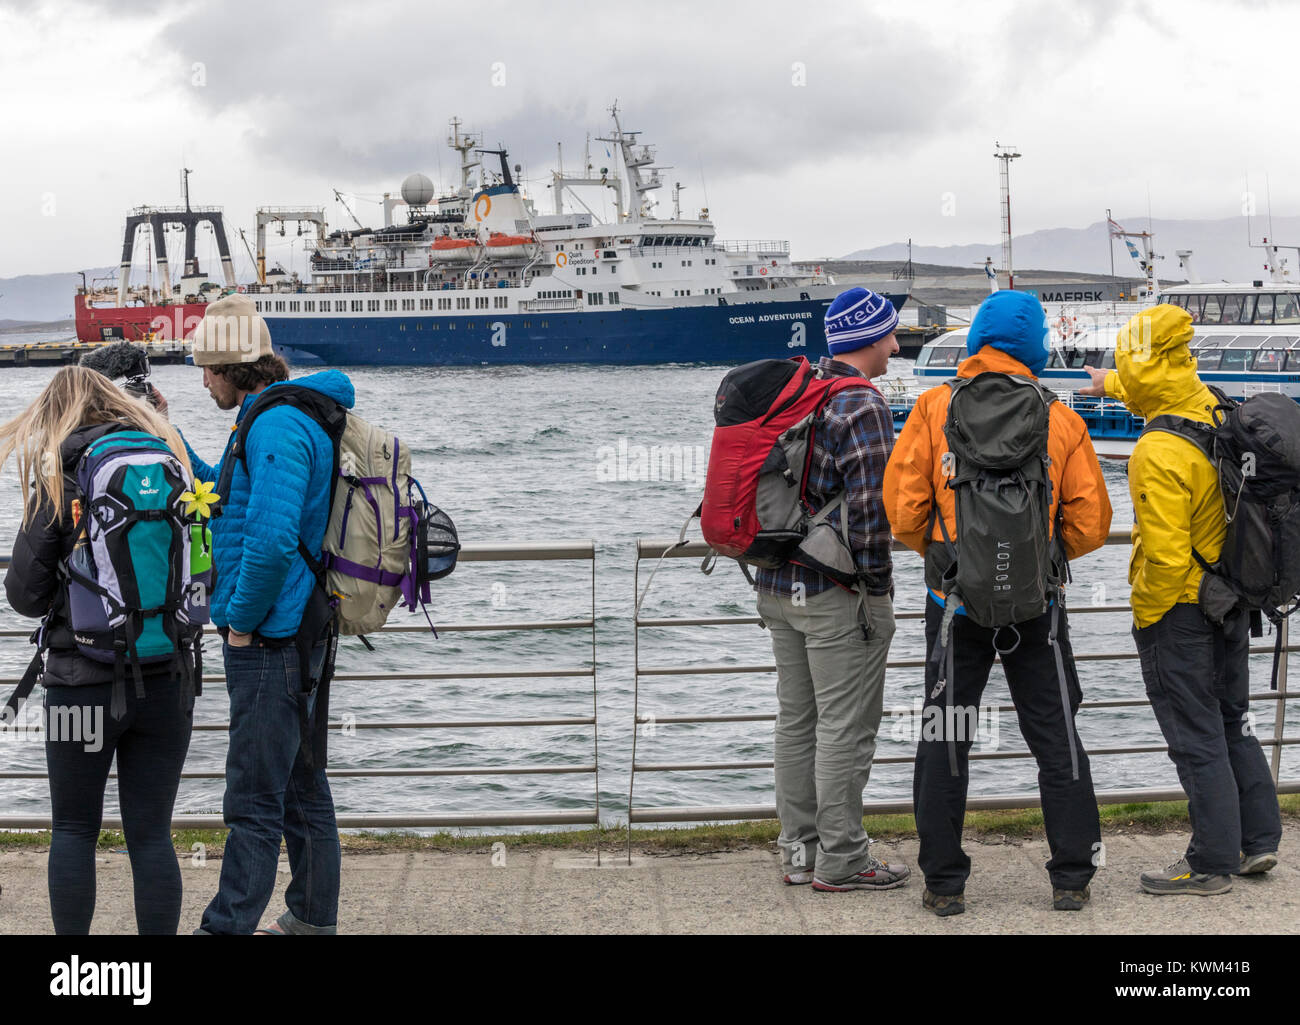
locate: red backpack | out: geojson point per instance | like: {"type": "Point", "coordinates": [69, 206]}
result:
{"type": "Point", "coordinates": [756, 508]}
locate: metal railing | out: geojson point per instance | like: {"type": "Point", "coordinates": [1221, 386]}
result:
{"type": "Point", "coordinates": [765, 246]}
{"type": "Point", "coordinates": [583, 551]}
{"type": "Point", "coordinates": [651, 550]}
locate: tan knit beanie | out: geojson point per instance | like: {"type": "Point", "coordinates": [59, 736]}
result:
{"type": "Point", "coordinates": [231, 332]}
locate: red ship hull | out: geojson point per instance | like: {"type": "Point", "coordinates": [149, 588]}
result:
{"type": "Point", "coordinates": [135, 323]}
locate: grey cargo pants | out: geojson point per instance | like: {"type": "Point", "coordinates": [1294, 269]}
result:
{"type": "Point", "coordinates": [830, 696]}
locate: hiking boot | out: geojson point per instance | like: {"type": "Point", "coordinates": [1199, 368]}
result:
{"type": "Point", "coordinates": [944, 904]}
{"type": "Point", "coordinates": [1179, 878]}
{"type": "Point", "coordinates": [1070, 900]}
{"type": "Point", "coordinates": [876, 876]}
{"type": "Point", "coordinates": [800, 878]}
{"type": "Point", "coordinates": [1257, 864]}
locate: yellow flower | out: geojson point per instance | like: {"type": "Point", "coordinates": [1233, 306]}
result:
{"type": "Point", "coordinates": [201, 499]}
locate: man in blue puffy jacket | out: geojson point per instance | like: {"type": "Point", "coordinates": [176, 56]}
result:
{"type": "Point", "coordinates": [278, 494]}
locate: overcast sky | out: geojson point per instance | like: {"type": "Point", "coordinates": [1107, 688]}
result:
{"type": "Point", "coordinates": [891, 133]}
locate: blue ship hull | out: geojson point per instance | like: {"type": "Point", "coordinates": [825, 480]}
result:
{"type": "Point", "coordinates": [736, 333]}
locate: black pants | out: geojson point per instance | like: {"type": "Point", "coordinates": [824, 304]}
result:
{"type": "Point", "coordinates": [1069, 805]}
{"type": "Point", "coordinates": [150, 742]}
{"type": "Point", "coordinates": [1198, 678]}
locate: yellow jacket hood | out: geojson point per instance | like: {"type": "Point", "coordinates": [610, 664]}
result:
{"type": "Point", "coordinates": [1155, 372]}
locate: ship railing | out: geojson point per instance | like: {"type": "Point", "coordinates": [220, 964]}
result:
{"type": "Point", "coordinates": [653, 721]}
{"type": "Point", "coordinates": [765, 246]}
{"type": "Point", "coordinates": [579, 666]}
{"type": "Point", "coordinates": [142, 210]}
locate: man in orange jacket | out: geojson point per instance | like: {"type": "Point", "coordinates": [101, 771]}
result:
{"type": "Point", "coordinates": [1008, 336]}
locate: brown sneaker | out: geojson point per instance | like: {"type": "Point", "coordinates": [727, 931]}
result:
{"type": "Point", "coordinates": [1070, 900]}
{"type": "Point", "coordinates": [944, 904]}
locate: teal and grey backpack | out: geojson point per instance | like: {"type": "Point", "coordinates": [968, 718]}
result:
{"type": "Point", "coordinates": [138, 580]}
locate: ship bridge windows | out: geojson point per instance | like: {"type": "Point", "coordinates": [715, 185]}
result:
{"type": "Point", "coordinates": [941, 356]}
{"type": "Point", "coordinates": [1264, 310]}
{"type": "Point", "coordinates": [1287, 310]}
{"type": "Point", "coordinates": [1237, 309]}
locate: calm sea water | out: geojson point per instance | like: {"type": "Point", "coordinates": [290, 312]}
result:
{"type": "Point", "coordinates": [533, 454]}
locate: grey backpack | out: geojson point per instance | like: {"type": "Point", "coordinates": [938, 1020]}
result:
{"type": "Point", "coordinates": [1004, 567]}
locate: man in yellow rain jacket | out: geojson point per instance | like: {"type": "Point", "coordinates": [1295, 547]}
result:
{"type": "Point", "coordinates": [1009, 336]}
{"type": "Point", "coordinates": [1177, 504]}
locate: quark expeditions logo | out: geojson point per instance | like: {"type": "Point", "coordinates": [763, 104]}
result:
{"type": "Point", "coordinates": [132, 979]}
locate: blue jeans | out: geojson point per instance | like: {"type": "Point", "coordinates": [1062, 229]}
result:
{"type": "Point", "coordinates": [270, 793]}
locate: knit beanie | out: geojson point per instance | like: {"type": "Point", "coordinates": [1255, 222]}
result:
{"type": "Point", "coordinates": [231, 332]}
{"type": "Point", "coordinates": [858, 318]}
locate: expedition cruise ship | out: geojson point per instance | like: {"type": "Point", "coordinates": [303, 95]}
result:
{"type": "Point", "coordinates": [481, 276]}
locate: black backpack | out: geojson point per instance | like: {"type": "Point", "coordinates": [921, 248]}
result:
{"type": "Point", "coordinates": [1005, 566]}
{"type": "Point", "coordinates": [1255, 449]}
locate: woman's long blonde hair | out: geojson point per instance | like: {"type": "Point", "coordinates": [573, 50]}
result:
{"type": "Point", "coordinates": [76, 397]}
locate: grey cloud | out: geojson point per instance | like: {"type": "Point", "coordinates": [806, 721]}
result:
{"type": "Point", "coordinates": [364, 98]}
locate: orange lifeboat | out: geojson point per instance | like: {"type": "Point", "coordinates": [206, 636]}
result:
{"type": "Point", "coordinates": [459, 249]}
{"type": "Point", "coordinates": [503, 247]}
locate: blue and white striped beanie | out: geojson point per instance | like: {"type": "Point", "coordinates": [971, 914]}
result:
{"type": "Point", "coordinates": [858, 318]}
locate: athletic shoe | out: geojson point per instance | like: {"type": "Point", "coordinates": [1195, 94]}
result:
{"type": "Point", "coordinates": [798, 878]}
{"type": "Point", "coordinates": [1257, 864]}
{"type": "Point", "coordinates": [1070, 900]}
{"type": "Point", "coordinates": [876, 876]}
{"type": "Point", "coordinates": [944, 904]}
{"type": "Point", "coordinates": [1179, 878]}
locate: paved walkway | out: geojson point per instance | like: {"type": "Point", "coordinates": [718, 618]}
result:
{"type": "Point", "coordinates": [552, 891]}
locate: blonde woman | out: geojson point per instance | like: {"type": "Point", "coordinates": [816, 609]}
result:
{"type": "Point", "coordinates": [150, 739]}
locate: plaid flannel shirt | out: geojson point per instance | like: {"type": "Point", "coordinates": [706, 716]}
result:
{"type": "Point", "coordinates": [849, 452]}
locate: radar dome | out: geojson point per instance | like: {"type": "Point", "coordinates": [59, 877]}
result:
{"type": "Point", "coordinates": [417, 190]}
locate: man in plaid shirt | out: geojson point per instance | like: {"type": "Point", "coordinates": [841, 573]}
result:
{"type": "Point", "coordinates": [830, 643]}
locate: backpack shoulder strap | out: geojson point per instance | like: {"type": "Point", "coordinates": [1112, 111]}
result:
{"type": "Point", "coordinates": [1199, 434]}
{"type": "Point", "coordinates": [329, 415]}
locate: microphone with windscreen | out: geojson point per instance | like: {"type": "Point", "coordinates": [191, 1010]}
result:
{"type": "Point", "coordinates": [122, 359]}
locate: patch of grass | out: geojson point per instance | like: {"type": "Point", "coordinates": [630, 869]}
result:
{"type": "Point", "coordinates": [1020, 823]}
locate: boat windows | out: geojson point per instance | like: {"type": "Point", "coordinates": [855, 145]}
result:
{"type": "Point", "coordinates": [1208, 359]}
{"type": "Point", "coordinates": [1212, 309]}
{"type": "Point", "coordinates": [1234, 359]}
{"type": "Point", "coordinates": [946, 355]}
{"type": "Point", "coordinates": [1234, 309]}
{"type": "Point", "coordinates": [1214, 342]}
{"type": "Point", "coordinates": [1264, 310]}
{"type": "Point", "coordinates": [1268, 361]}
{"type": "Point", "coordinates": [1287, 310]}
{"type": "Point", "coordinates": [1054, 361]}
{"type": "Point", "coordinates": [1292, 364]}
{"type": "Point", "coordinates": [1076, 359]}
{"type": "Point", "coordinates": [1282, 341]}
